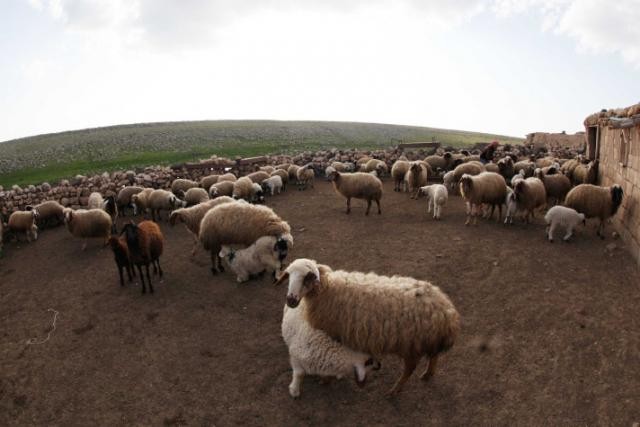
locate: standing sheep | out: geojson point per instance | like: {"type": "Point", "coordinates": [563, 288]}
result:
{"type": "Point", "coordinates": [50, 212]}
{"type": "Point", "coordinates": [437, 196]}
{"type": "Point", "coordinates": [227, 177]}
{"type": "Point", "coordinates": [283, 175]}
{"type": "Point", "coordinates": [145, 243]}
{"type": "Point", "coordinates": [207, 181]}
{"type": "Point", "coordinates": [180, 186]}
{"type": "Point", "coordinates": [243, 188]}
{"type": "Point", "coordinates": [398, 171]}
{"type": "Point", "coordinates": [472, 168]}
{"type": "Point", "coordinates": [258, 176]}
{"type": "Point", "coordinates": [375, 314]}
{"type": "Point", "coordinates": [595, 202]}
{"type": "Point", "coordinates": [160, 200]}
{"type": "Point", "coordinates": [123, 199]}
{"type": "Point", "coordinates": [416, 177]}
{"type": "Point", "coordinates": [95, 201]}
{"type": "Point", "coordinates": [585, 174]}
{"type": "Point", "coordinates": [87, 224]}
{"type": "Point", "coordinates": [305, 176]}
{"type": "Point", "coordinates": [376, 165]}
{"type": "Point", "coordinates": [221, 188]}
{"type": "Point", "coordinates": [196, 195]}
{"type": "Point", "coordinates": [293, 173]}
{"type": "Point", "coordinates": [529, 195]}
{"type": "Point", "coordinates": [487, 187]}
{"type": "Point", "coordinates": [272, 185]}
{"type": "Point", "coordinates": [564, 217]}
{"type": "Point", "coordinates": [505, 165]}
{"type": "Point", "coordinates": [121, 256]}
{"type": "Point", "coordinates": [442, 163]}
{"type": "Point", "coordinates": [265, 254]}
{"type": "Point", "coordinates": [525, 165]}
{"type": "Point", "coordinates": [24, 222]}
{"type": "Point", "coordinates": [358, 185]}
{"type": "Point", "coordinates": [141, 200]}
{"type": "Point", "coordinates": [556, 186]}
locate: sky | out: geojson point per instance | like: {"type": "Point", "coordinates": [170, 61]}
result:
{"type": "Point", "coordinates": [499, 66]}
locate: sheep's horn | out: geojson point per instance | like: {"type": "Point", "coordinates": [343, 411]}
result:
{"type": "Point", "coordinates": [282, 278]}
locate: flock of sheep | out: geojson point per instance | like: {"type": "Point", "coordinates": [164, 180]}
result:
{"type": "Point", "coordinates": [335, 323]}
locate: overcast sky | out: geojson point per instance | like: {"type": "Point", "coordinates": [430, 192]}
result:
{"type": "Point", "coordinates": [501, 66]}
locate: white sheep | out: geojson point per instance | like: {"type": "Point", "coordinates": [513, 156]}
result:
{"type": "Point", "coordinates": [313, 352]}
{"type": "Point", "coordinates": [24, 222]}
{"type": "Point", "coordinates": [196, 195]}
{"type": "Point", "coordinates": [92, 223]}
{"type": "Point", "coordinates": [96, 201]}
{"type": "Point", "coordinates": [449, 180]}
{"type": "Point", "coordinates": [437, 196]}
{"type": "Point", "coordinates": [160, 200]}
{"type": "Point", "coordinates": [273, 184]}
{"type": "Point", "coordinates": [266, 254]}
{"type": "Point", "coordinates": [564, 217]}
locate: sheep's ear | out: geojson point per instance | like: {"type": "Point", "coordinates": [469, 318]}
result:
{"type": "Point", "coordinates": [282, 278]}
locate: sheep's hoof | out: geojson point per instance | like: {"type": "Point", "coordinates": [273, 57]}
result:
{"type": "Point", "coordinates": [551, 240]}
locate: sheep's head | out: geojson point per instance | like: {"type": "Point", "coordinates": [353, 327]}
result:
{"type": "Point", "coordinates": [176, 216]}
{"type": "Point", "coordinates": [282, 245]}
{"type": "Point", "coordinates": [334, 176]}
{"type": "Point", "coordinates": [362, 369]}
{"type": "Point", "coordinates": [68, 215]}
{"type": "Point", "coordinates": [130, 232]}
{"type": "Point", "coordinates": [304, 276]}
{"type": "Point", "coordinates": [447, 156]}
{"type": "Point", "coordinates": [213, 192]}
{"type": "Point", "coordinates": [466, 183]}
{"type": "Point", "coordinates": [616, 198]}
{"type": "Point", "coordinates": [258, 193]}
{"type": "Point", "coordinates": [227, 252]}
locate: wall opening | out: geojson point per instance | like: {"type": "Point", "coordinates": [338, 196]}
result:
{"type": "Point", "coordinates": [593, 136]}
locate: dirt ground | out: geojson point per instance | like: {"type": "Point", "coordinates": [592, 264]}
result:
{"type": "Point", "coordinates": [550, 332]}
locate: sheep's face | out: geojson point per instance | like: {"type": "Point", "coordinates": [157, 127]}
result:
{"type": "Point", "coordinates": [616, 198]}
{"type": "Point", "coordinates": [465, 184]}
{"type": "Point", "coordinates": [213, 192]}
{"type": "Point", "coordinates": [68, 216]}
{"type": "Point", "coordinates": [333, 176]}
{"type": "Point", "coordinates": [361, 370]}
{"type": "Point", "coordinates": [303, 276]}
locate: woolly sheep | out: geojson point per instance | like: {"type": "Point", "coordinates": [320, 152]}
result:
{"type": "Point", "coordinates": [123, 199]}
{"type": "Point", "coordinates": [564, 217]}
{"type": "Point", "coordinates": [283, 166]}
{"type": "Point", "coordinates": [207, 181]}
{"type": "Point", "coordinates": [86, 224]}
{"type": "Point", "coordinates": [585, 174]}
{"type": "Point", "coordinates": [268, 169]}
{"type": "Point", "coordinates": [111, 207]}
{"type": "Point", "coordinates": [145, 243]}
{"type": "Point", "coordinates": [487, 187]}
{"type": "Point", "coordinates": [284, 175]}
{"type": "Point", "coordinates": [512, 206]}
{"type": "Point", "coordinates": [305, 176]}
{"type": "Point", "coordinates": [569, 166]}
{"type": "Point", "coordinates": [505, 165]}
{"type": "Point", "coordinates": [328, 171]}
{"type": "Point", "coordinates": [526, 165]}
{"type": "Point", "coordinates": [258, 176]}
{"type": "Point", "coordinates": [492, 167]}
{"type": "Point", "coordinates": [398, 171]}
{"type": "Point", "coordinates": [529, 194]}
{"type": "Point", "coordinates": [545, 162]}
{"type": "Point", "coordinates": [243, 189]}
{"type": "Point", "coordinates": [24, 222]}
{"type": "Point", "coordinates": [437, 196]}
{"type": "Point", "coordinates": [358, 185]}
{"type": "Point", "coordinates": [180, 186]}
{"type": "Point", "coordinates": [556, 186]}
{"type": "Point", "coordinates": [141, 200]}
{"type": "Point", "coordinates": [48, 212]}
{"type": "Point", "coordinates": [221, 188]}
{"type": "Point", "coordinates": [517, 177]}
{"type": "Point", "coordinates": [227, 177]}
{"type": "Point", "coordinates": [160, 200]}
{"type": "Point", "coordinates": [443, 162]}
{"type": "Point", "coordinates": [449, 180]}
{"type": "Point", "coordinates": [265, 254]}
{"type": "Point", "coordinates": [416, 177]}
{"type": "Point", "coordinates": [313, 352]}
{"type": "Point", "coordinates": [293, 173]}
{"type": "Point", "coordinates": [273, 185]}
{"type": "Point", "coordinates": [340, 167]}
{"type": "Point", "coordinates": [379, 166]}
{"type": "Point", "coordinates": [595, 202]}
{"type": "Point", "coordinates": [95, 201]}
{"type": "Point", "coordinates": [258, 193]}
{"type": "Point", "coordinates": [472, 168]}
{"type": "Point", "coordinates": [375, 314]}
{"type": "Point", "coordinates": [195, 195]}
{"type": "Point", "coordinates": [237, 224]}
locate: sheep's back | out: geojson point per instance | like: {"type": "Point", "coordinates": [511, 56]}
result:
{"type": "Point", "coordinates": [591, 200]}
{"type": "Point", "coordinates": [359, 185]}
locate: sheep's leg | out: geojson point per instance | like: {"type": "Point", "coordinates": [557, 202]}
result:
{"type": "Point", "coordinates": [429, 205]}
{"type": "Point", "coordinates": [569, 233]}
{"type": "Point", "coordinates": [601, 229]}
{"type": "Point", "coordinates": [159, 268]}
{"type": "Point", "coordinates": [499, 213]}
{"type": "Point", "coordinates": [120, 267]}
{"type": "Point", "coordinates": [468, 214]}
{"type": "Point", "coordinates": [431, 369]}
{"type": "Point", "coordinates": [144, 287]}
{"type": "Point", "coordinates": [84, 245]}
{"type": "Point", "coordinates": [368, 206]}
{"type": "Point", "coordinates": [378, 203]}
{"type": "Point", "coordinates": [195, 245]}
{"type": "Point", "coordinates": [296, 382]}
{"type": "Point", "coordinates": [348, 205]}
{"type": "Point", "coordinates": [550, 229]}
{"type": "Point", "coordinates": [149, 279]}
{"type": "Point", "coordinates": [214, 261]}
{"type": "Point", "coordinates": [410, 363]}
{"type": "Point", "coordinates": [129, 271]}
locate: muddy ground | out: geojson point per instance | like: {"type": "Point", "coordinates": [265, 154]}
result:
{"type": "Point", "coordinates": [550, 331]}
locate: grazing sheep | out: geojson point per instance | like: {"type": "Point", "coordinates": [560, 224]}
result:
{"type": "Point", "coordinates": [585, 174]}
{"type": "Point", "coordinates": [358, 185]}
{"type": "Point", "coordinates": [237, 224]}
{"type": "Point", "coordinates": [87, 224]}
{"type": "Point", "coordinates": [556, 186]}
{"type": "Point", "coordinates": [141, 200]}
{"type": "Point", "coordinates": [192, 216]}
{"type": "Point", "coordinates": [124, 198]}
{"type": "Point", "coordinates": [121, 256]}
{"type": "Point", "coordinates": [437, 196]}
{"type": "Point", "coordinates": [328, 171]}
{"type": "Point", "coordinates": [221, 188]}
{"type": "Point", "coordinates": [95, 201]}
{"type": "Point", "coordinates": [266, 254]}
{"type": "Point", "coordinates": [196, 195]}
{"type": "Point", "coordinates": [258, 176]}
{"type": "Point", "coordinates": [258, 193]}
{"type": "Point", "coordinates": [160, 200]}
{"type": "Point", "coordinates": [145, 242]}
{"type": "Point", "coordinates": [24, 222]}
{"type": "Point", "coordinates": [375, 314]}
{"type": "Point", "coordinates": [487, 187]}
{"type": "Point", "coordinates": [50, 212]}
{"type": "Point", "coordinates": [379, 166]}
{"type": "Point", "coordinates": [443, 162]}
{"type": "Point", "coordinates": [529, 195]}
{"type": "Point", "coordinates": [313, 352]}
{"type": "Point", "coordinates": [526, 165]}
{"type": "Point", "coordinates": [180, 186]}
{"type": "Point", "coordinates": [243, 189]}
{"type": "Point", "coordinates": [398, 171]}
{"type": "Point", "coordinates": [305, 176]}
{"type": "Point", "coordinates": [273, 185]}
{"type": "Point", "coordinates": [227, 177]}
{"type": "Point", "coordinates": [505, 165]}
{"type": "Point", "coordinates": [416, 177]}
{"type": "Point", "coordinates": [207, 181]}
{"type": "Point", "coordinates": [293, 173]}
{"type": "Point", "coordinates": [284, 175]}
{"type": "Point", "coordinates": [595, 202]}
{"type": "Point", "coordinates": [564, 217]}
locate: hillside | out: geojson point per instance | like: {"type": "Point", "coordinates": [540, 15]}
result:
{"type": "Point", "coordinates": [53, 156]}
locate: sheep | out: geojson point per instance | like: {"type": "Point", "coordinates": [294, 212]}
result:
{"type": "Point", "coordinates": [268, 169]}
{"type": "Point", "coordinates": [375, 314]}
{"type": "Point", "coordinates": [437, 196]}
{"type": "Point", "coordinates": [556, 186]}
{"type": "Point", "coordinates": [123, 199]}
{"type": "Point", "coordinates": [293, 173]}
{"type": "Point", "coordinates": [512, 206]}
{"type": "Point", "coordinates": [141, 200]}
{"type": "Point", "coordinates": [145, 242]}
{"type": "Point", "coordinates": [472, 168]}
{"type": "Point", "coordinates": [440, 162]}
{"type": "Point", "coordinates": [111, 207]}
{"type": "Point", "coordinates": [305, 176]}
{"type": "Point", "coordinates": [95, 201]}
{"type": "Point", "coordinates": [505, 165]}
{"type": "Point", "coordinates": [273, 185]}
{"type": "Point", "coordinates": [265, 254]}
{"type": "Point", "coordinates": [24, 222]}
{"type": "Point", "coordinates": [192, 216]}
{"type": "Point", "coordinates": [48, 212]}
{"type": "Point", "coordinates": [221, 188]}
{"type": "Point", "coordinates": [258, 193]}
{"type": "Point", "coordinates": [398, 171]}
{"type": "Point", "coordinates": [86, 224]}
{"type": "Point", "coordinates": [160, 200]}
{"type": "Point", "coordinates": [486, 187]}
{"type": "Point", "coordinates": [181, 185]}
{"type": "Point", "coordinates": [237, 224]}
{"type": "Point", "coordinates": [449, 180]}
{"type": "Point", "coordinates": [564, 217]}
{"type": "Point", "coordinates": [340, 167]}
{"type": "Point", "coordinates": [195, 195]}
{"type": "Point", "coordinates": [362, 162]}
{"type": "Point", "coordinates": [283, 175]}
{"type": "Point", "coordinates": [416, 177]}
{"type": "Point", "coordinates": [328, 171]}
{"type": "Point", "coordinates": [243, 189]}
{"type": "Point", "coordinates": [358, 185]}
{"type": "Point", "coordinates": [585, 174]}
{"type": "Point", "coordinates": [227, 177]}
{"type": "Point", "coordinates": [551, 169]}
{"type": "Point", "coordinates": [492, 167]}
{"type": "Point", "coordinates": [529, 195]}
{"type": "Point", "coordinates": [283, 166]}
{"type": "Point", "coordinates": [517, 177]}
{"type": "Point", "coordinates": [379, 166]}
{"type": "Point", "coordinates": [258, 176]}
{"type": "Point", "coordinates": [595, 202]}
{"type": "Point", "coordinates": [569, 166]}
{"type": "Point", "coordinates": [207, 181]}
{"type": "Point", "coordinates": [313, 352]}
{"type": "Point", "coordinates": [121, 256]}
{"type": "Point", "coordinates": [526, 165]}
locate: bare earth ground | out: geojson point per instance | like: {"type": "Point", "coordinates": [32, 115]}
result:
{"type": "Point", "coordinates": [550, 332]}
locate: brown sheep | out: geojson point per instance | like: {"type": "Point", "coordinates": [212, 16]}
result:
{"type": "Point", "coordinates": [595, 202]}
{"type": "Point", "coordinates": [358, 185]}
{"type": "Point", "coordinates": [121, 256]}
{"type": "Point", "coordinates": [145, 243]}
{"type": "Point", "coordinates": [416, 177]}
{"type": "Point", "coordinates": [398, 171]}
{"type": "Point", "coordinates": [556, 186]}
{"type": "Point", "coordinates": [529, 195]}
{"type": "Point", "coordinates": [486, 187]}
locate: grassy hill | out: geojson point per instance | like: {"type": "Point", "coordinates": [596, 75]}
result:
{"type": "Point", "coordinates": [53, 156]}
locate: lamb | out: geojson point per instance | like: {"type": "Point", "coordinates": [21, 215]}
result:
{"type": "Point", "coordinates": [95, 201]}
{"type": "Point", "coordinates": [86, 224]}
{"type": "Point", "coordinates": [273, 185]}
{"type": "Point", "coordinates": [24, 222]}
{"type": "Point", "coordinates": [530, 195]}
{"type": "Point", "coordinates": [313, 352]}
{"type": "Point", "coordinates": [207, 181]}
{"type": "Point", "coordinates": [437, 196]}
{"type": "Point", "coordinates": [556, 186]}
{"type": "Point", "coordinates": [48, 212]}
{"type": "Point", "coordinates": [258, 193]}
{"type": "Point", "coordinates": [398, 171]}
{"type": "Point", "coordinates": [585, 174]}
{"type": "Point", "coordinates": [487, 187]}
{"type": "Point", "coordinates": [145, 242]}
{"type": "Point", "coordinates": [265, 254]}
{"type": "Point", "coordinates": [221, 188]}
{"type": "Point", "coordinates": [121, 256]}
{"type": "Point", "coordinates": [595, 202]}
{"type": "Point", "coordinates": [160, 200]}
{"type": "Point", "coordinates": [358, 185]}
{"type": "Point", "coordinates": [258, 176]}
{"type": "Point", "coordinates": [124, 198]}
{"type": "Point", "coordinates": [180, 186]}
{"type": "Point", "coordinates": [243, 189]}
{"type": "Point", "coordinates": [227, 177]}
{"type": "Point", "coordinates": [192, 216]}
{"type": "Point", "coordinates": [237, 224]}
{"type": "Point", "coordinates": [564, 217]}
{"type": "Point", "coordinates": [512, 206]}
{"type": "Point", "coordinates": [305, 176]}
{"type": "Point", "coordinates": [283, 175]}
{"type": "Point", "coordinates": [195, 195]}
{"type": "Point", "coordinates": [375, 314]}
{"type": "Point", "coordinates": [416, 177]}
{"type": "Point", "coordinates": [141, 200]}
